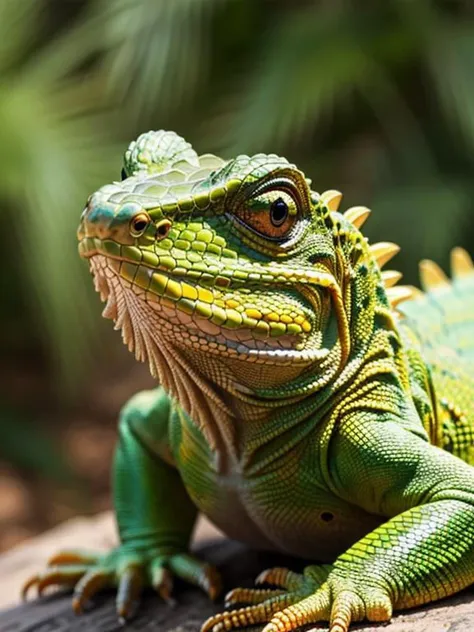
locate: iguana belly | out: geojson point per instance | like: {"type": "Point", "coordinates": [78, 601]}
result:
{"type": "Point", "coordinates": [278, 514]}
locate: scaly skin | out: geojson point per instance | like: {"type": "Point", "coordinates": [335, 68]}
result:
{"type": "Point", "coordinates": [301, 408]}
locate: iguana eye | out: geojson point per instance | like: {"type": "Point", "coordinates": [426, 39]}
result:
{"type": "Point", "coordinates": [272, 213]}
{"type": "Point", "coordinates": [279, 212]}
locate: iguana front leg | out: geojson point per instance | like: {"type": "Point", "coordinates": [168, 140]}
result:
{"type": "Point", "coordinates": [425, 552]}
{"type": "Point", "coordinates": [155, 518]}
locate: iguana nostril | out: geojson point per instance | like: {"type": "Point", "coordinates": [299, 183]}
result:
{"type": "Point", "coordinates": [163, 228]}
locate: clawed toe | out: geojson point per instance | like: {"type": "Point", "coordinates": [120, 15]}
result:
{"type": "Point", "coordinates": [129, 590]}
{"type": "Point", "coordinates": [250, 596]}
{"type": "Point", "coordinates": [88, 586]}
{"type": "Point", "coordinates": [288, 612]}
{"type": "Point", "coordinates": [30, 582]}
{"type": "Point", "coordinates": [314, 608]}
{"type": "Point", "coordinates": [210, 581]}
{"type": "Point", "coordinates": [162, 581]}
{"type": "Point", "coordinates": [301, 600]}
{"type": "Point", "coordinates": [248, 616]}
{"type": "Point", "coordinates": [130, 571]}
{"type": "Point", "coordinates": [74, 556]}
{"type": "Point", "coordinates": [61, 576]}
{"type": "Point", "coordinates": [280, 577]}
{"type": "Point", "coordinates": [195, 572]}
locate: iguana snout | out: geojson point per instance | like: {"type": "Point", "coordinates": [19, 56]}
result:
{"type": "Point", "coordinates": [102, 220]}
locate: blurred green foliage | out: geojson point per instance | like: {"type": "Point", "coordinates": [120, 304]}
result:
{"type": "Point", "coordinates": [373, 98]}
{"type": "Point", "coordinates": [26, 445]}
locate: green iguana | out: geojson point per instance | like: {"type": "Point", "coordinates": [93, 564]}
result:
{"type": "Point", "coordinates": [302, 407]}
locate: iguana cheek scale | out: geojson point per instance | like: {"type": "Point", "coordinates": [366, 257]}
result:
{"type": "Point", "coordinates": [307, 403]}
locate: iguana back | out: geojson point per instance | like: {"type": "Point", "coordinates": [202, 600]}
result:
{"type": "Point", "coordinates": [440, 324]}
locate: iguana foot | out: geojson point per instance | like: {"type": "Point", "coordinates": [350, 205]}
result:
{"type": "Point", "coordinates": [129, 570]}
{"type": "Point", "coordinates": [319, 594]}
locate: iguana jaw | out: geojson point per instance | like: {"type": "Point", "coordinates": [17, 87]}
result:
{"type": "Point", "coordinates": [263, 338]}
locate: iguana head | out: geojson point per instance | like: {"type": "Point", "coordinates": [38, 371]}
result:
{"type": "Point", "coordinates": [235, 270]}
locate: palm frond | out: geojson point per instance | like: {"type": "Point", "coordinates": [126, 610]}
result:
{"type": "Point", "coordinates": [61, 155]}
{"type": "Point", "coordinates": [425, 217]}
{"type": "Point", "coordinates": [17, 26]}
{"type": "Point", "coordinates": [308, 61]}
{"type": "Point", "coordinates": [155, 52]}
{"type": "Point", "coordinates": [451, 61]}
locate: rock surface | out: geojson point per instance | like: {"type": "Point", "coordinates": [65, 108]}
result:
{"type": "Point", "coordinates": [239, 566]}
{"type": "Point", "coordinates": [97, 533]}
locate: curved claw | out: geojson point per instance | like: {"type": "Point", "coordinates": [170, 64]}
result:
{"type": "Point", "coordinates": [195, 572]}
{"type": "Point", "coordinates": [280, 577]}
{"type": "Point", "coordinates": [32, 581]}
{"type": "Point", "coordinates": [210, 581]}
{"type": "Point", "coordinates": [250, 596]}
{"type": "Point", "coordinates": [73, 556]}
{"type": "Point", "coordinates": [89, 585]}
{"type": "Point", "coordinates": [129, 589]}
{"type": "Point", "coordinates": [162, 581]}
{"type": "Point", "coordinates": [65, 576]}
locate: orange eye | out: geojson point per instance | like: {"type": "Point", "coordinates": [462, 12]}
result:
{"type": "Point", "coordinates": [139, 224]}
{"type": "Point", "coordinates": [272, 214]}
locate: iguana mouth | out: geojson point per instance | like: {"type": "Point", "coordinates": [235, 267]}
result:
{"type": "Point", "coordinates": [145, 317]}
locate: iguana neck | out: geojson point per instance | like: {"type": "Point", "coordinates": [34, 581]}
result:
{"type": "Point", "coordinates": [243, 428]}
{"type": "Point", "coordinates": [246, 435]}
{"type": "Point", "coordinates": [233, 419]}
{"type": "Point", "coordinates": [216, 393]}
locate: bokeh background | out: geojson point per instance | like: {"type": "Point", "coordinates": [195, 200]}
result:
{"type": "Point", "coordinates": [375, 99]}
